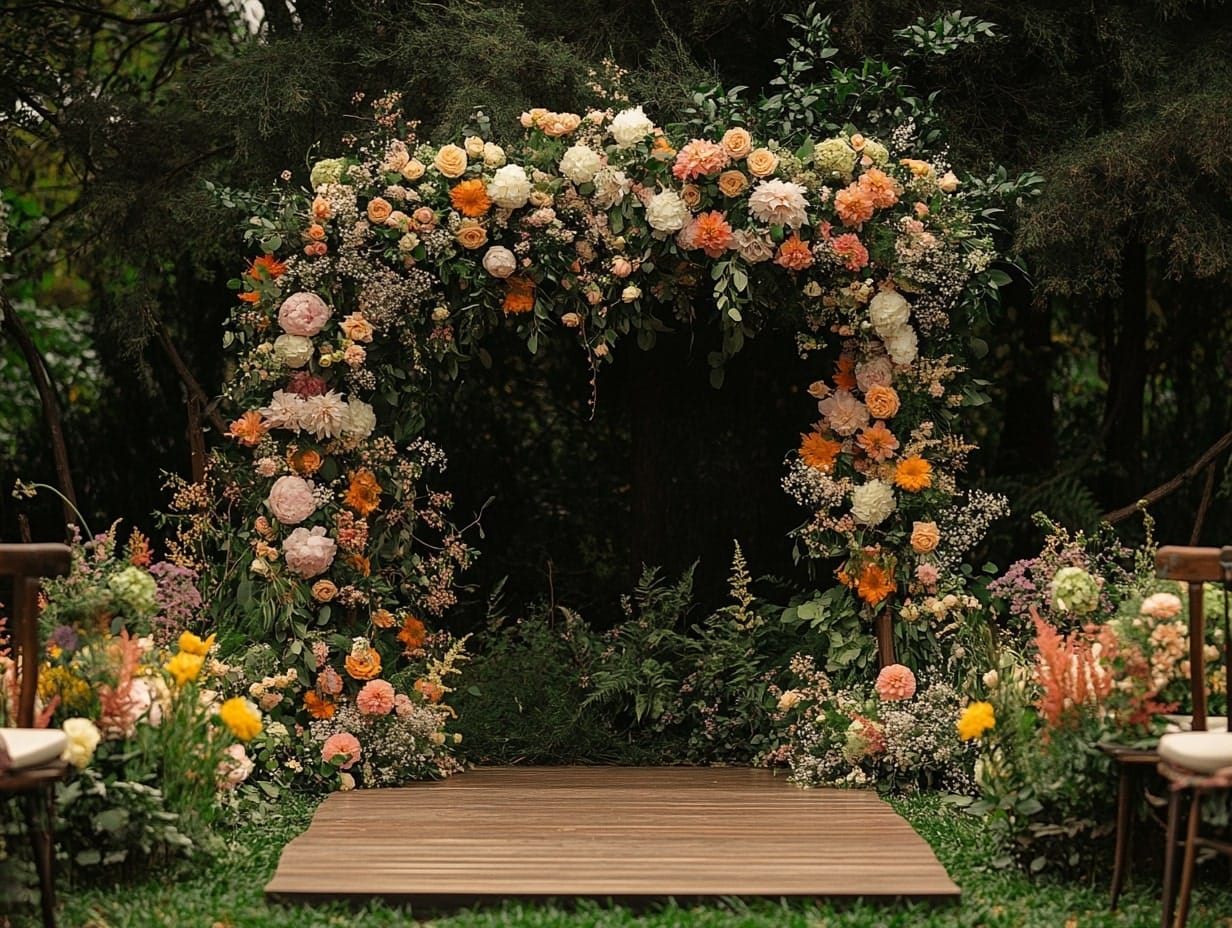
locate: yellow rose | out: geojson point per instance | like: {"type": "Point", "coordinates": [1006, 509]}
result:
{"type": "Point", "coordinates": [451, 161]}
{"type": "Point", "coordinates": [737, 143]}
{"type": "Point", "coordinates": [732, 183]}
{"type": "Point", "coordinates": [379, 210]}
{"type": "Point", "coordinates": [413, 169]}
{"type": "Point", "coordinates": [924, 537]}
{"type": "Point", "coordinates": [471, 235]}
{"type": "Point", "coordinates": [762, 162]}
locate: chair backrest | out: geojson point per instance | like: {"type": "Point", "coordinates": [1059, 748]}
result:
{"type": "Point", "coordinates": [26, 564]}
{"type": "Point", "coordinates": [1196, 566]}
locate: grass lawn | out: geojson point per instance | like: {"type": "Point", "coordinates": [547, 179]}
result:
{"type": "Point", "coordinates": [226, 893]}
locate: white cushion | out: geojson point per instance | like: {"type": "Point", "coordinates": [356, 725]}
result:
{"type": "Point", "coordinates": [1185, 722]}
{"type": "Point", "coordinates": [31, 747]}
{"type": "Point", "coordinates": [1199, 751]}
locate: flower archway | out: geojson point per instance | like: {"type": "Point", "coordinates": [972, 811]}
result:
{"type": "Point", "coordinates": [385, 275]}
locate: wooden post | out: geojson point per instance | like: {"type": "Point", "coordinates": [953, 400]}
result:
{"type": "Point", "coordinates": [1193, 566]}
{"type": "Point", "coordinates": [883, 628]}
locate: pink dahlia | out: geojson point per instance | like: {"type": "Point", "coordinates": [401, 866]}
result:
{"type": "Point", "coordinates": [779, 203]}
{"type": "Point", "coordinates": [1160, 606]}
{"type": "Point", "coordinates": [699, 158]}
{"type": "Point", "coordinates": [895, 682]}
{"type": "Point", "coordinates": [851, 251]}
{"type": "Point", "coordinates": [376, 698]}
{"type": "Point", "coordinates": [343, 747]}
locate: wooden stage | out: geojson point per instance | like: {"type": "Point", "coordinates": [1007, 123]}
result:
{"type": "Point", "coordinates": [632, 835]}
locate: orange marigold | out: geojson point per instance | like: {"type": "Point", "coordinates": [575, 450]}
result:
{"type": "Point", "coordinates": [318, 706]}
{"type": "Point", "coordinates": [470, 198]}
{"type": "Point", "coordinates": [364, 493]}
{"type": "Point", "coordinates": [364, 665]}
{"type": "Point", "coordinates": [875, 583]}
{"type": "Point", "coordinates": [304, 461]}
{"type": "Point", "coordinates": [877, 441]}
{"type": "Point", "coordinates": [519, 295]}
{"type": "Point", "coordinates": [266, 267]}
{"type": "Point", "coordinates": [819, 452]}
{"type": "Point", "coordinates": [248, 429]}
{"type": "Point", "coordinates": [913, 474]}
{"type": "Point", "coordinates": [412, 634]}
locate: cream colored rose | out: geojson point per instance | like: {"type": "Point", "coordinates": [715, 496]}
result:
{"type": "Point", "coordinates": [737, 143]}
{"type": "Point", "coordinates": [762, 162]}
{"type": "Point", "coordinates": [630, 293]}
{"type": "Point", "coordinates": [474, 146]}
{"type": "Point", "coordinates": [451, 161]}
{"type": "Point", "coordinates": [471, 235]}
{"type": "Point", "coordinates": [509, 187]}
{"type": "Point", "coordinates": [499, 261]}
{"type": "Point", "coordinates": [789, 700]}
{"type": "Point", "coordinates": [948, 182]}
{"type": "Point", "coordinates": [83, 737]}
{"type": "Point", "coordinates": [493, 155]}
{"type": "Point", "coordinates": [924, 537]}
{"type": "Point", "coordinates": [413, 169]}
{"type": "Point", "coordinates": [580, 163]}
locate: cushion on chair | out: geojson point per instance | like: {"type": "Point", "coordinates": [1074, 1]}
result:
{"type": "Point", "coordinates": [1199, 751]}
{"type": "Point", "coordinates": [32, 747]}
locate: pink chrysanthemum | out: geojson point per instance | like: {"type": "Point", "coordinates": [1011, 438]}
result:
{"type": "Point", "coordinates": [895, 682]}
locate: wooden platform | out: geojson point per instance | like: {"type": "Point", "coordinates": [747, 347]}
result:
{"type": "Point", "coordinates": [632, 835]}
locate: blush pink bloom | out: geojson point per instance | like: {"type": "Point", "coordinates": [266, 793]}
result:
{"type": "Point", "coordinates": [303, 314]}
{"type": "Point", "coordinates": [895, 682]}
{"type": "Point", "coordinates": [928, 574]}
{"type": "Point", "coordinates": [309, 553]}
{"type": "Point", "coordinates": [342, 745]}
{"type": "Point", "coordinates": [779, 203]}
{"type": "Point", "coordinates": [1160, 606]}
{"type": "Point", "coordinates": [330, 682]}
{"type": "Point", "coordinates": [852, 252]}
{"type": "Point", "coordinates": [845, 415]}
{"type": "Point", "coordinates": [376, 698]}
{"type": "Point", "coordinates": [291, 501]}
{"type": "Point", "coordinates": [699, 158]}
{"type": "Point", "coordinates": [876, 372]}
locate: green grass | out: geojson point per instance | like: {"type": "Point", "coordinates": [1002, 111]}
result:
{"type": "Point", "coordinates": [226, 893]}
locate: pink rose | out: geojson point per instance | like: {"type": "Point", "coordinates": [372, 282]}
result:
{"type": "Point", "coordinates": [877, 372]}
{"type": "Point", "coordinates": [309, 553]}
{"type": "Point", "coordinates": [376, 698]}
{"type": "Point", "coordinates": [1160, 606]}
{"type": "Point", "coordinates": [303, 314]}
{"type": "Point", "coordinates": [895, 682]}
{"type": "Point", "coordinates": [343, 747]}
{"type": "Point", "coordinates": [844, 413]}
{"type": "Point", "coordinates": [291, 500]}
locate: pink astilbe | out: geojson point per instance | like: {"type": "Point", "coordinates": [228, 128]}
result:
{"type": "Point", "coordinates": [1068, 669]}
{"type": "Point", "coordinates": [116, 703]}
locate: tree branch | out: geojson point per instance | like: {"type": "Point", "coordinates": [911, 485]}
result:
{"type": "Point", "coordinates": [194, 389]}
{"type": "Point", "coordinates": [169, 17]}
{"type": "Point", "coordinates": [1208, 458]}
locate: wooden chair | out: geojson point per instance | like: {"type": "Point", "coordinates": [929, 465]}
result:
{"type": "Point", "coordinates": [1197, 762]}
{"type": "Point", "coordinates": [30, 762]}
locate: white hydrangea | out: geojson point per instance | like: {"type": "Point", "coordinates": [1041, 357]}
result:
{"type": "Point", "coordinates": [509, 187]}
{"type": "Point", "coordinates": [666, 212]}
{"type": "Point", "coordinates": [359, 420]}
{"type": "Point", "coordinates": [903, 346]}
{"type": "Point", "coordinates": [580, 164]}
{"type": "Point", "coordinates": [872, 502]}
{"type": "Point", "coordinates": [630, 126]}
{"type": "Point", "coordinates": [888, 311]}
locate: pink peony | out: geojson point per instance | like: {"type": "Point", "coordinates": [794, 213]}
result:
{"type": "Point", "coordinates": [844, 413]}
{"type": "Point", "coordinates": [779, 203]}
{"type": "Point", "coordinates": [291, 500]}
{"type": "Point", "coordinates": [699, 158]}
{"type": "Point", "coordinates": [895, 682]}
{"type": "Point", "coordinates": [876, 372]}
{"type": "Point", "coordinates": [309, 553]}
{"type": "Point", "coordinates": [1160, 606]}
{"type": "Point", "coordinates": [303, 314]}
{"type": "Point", "coordinates": [343, 746]}
{"type": "Point", "coordinates": [376, 698]}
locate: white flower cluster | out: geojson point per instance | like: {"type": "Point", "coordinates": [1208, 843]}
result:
{"type": "Point", "coordinates": [812, 489]}
{"type": "Point", "coordinates": [964, 527]}
{"type": "Point", "coordinates": [329, 415]}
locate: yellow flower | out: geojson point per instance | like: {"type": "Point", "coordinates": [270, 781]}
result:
{"type": "Point", "coordinates": [185, 666]}
{"type": "Point", "coordinates": [976, 719]}
{"type": "Point", "coordinates": [242, 717]}
{"type": "Point", "coordinates": [191, 644]}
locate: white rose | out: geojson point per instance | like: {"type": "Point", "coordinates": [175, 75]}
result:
{"type": "Point", "coordinates": [293, 350]}
{"type": "Point", "coordinates": [902, 345]}
{"type": "Point", "coordinates": [360, 419]}
{"type": "Point", "coordinates": [499, 261]}
{"type": "Point", "coordinates": [509, 187]}
{"type": "Point", "coordinates": [872, 502]}
{"type": "Point", "coordinates": [580, 164]}
{"type": "Point", "coordinates": [493, 155]}
{"type": "Point", "coordinates": [630, 293]}
{"type": "Point", "coordinates": [83, 737]}
{"type": "Point", "coordinates": [888, 311]}
{"type": "Point", "coordinates": [630, 126]}
{"type": "Point", "coordinates": [666, 212]}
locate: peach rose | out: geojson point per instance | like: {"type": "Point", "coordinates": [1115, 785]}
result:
{"type": "Point", "coordinates": [882, 402]}
{"type": "Point", "coordinates": [324, 590]}
{"type": "Point", "coordinates": [316, 232]}
{"type": "Point", "coordinates": [737, 142]}
{"type": "Point", "coordinates": [733, 183]}
{"type": "Point", "coordinates": [356, 327]}
{"type": "Point", "coordinates": [413, 169]}
{"type": "Point", "coordinates": [691, 194]}
{"type": "Point", "coordinates": [924, 537]}
{"type": "Point", "coordinates": [451, 161]}
{"type": "Point", "coordinates": [322, 209]}
{"type": "Point", "coordinates": [762, 162]}
{"type": "Point", "coordinates": [621, 267]}
{"type": "Point", "coordinates": [471, 235]}
{"type": "Point", "coordinates": [424, 217]}
{"type": "Point", "coordinates": [379, 209]}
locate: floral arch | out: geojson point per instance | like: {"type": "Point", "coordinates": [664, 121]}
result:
{"type": "Point", "coordinates": [321, 519]}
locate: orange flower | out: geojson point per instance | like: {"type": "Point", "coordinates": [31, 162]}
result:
{"type": "Point", "coordinates": [880, 187]}
{"type": "Point", "coordinates": [360, 564]}
{"type": "Point", "coordinates": [520, 295]}
{"type": "Point", "coordinates": [364, 493]}
{"type": "Point", "coordinates": [882, 401]}
{"type": "Point", "coordinates": [875, 584]}
{"type": "Point", "coordinates": [383, 618]}
{"type": "Point", "coordinates": [845, 373]}
{"type": "Point", "coordinates": [248, 429]}
{"type": "Point", "coordinates": [316, 232]}
{"type": "Point", "coordinates": [266, 267]}
{"type": "Point", "coordinates": [470, 198]}
{"type": "Point", "coordinates": [662, 149]}
{"type": "Point", "coordinates": [854, 205]}
{"type": "Point", "coordinates": [305, 461]}
{"type": "Point", "coordinates": [429, 691]}
{"type": "Point", "coordinates": [413, 634]}
{"type": "Point", "coordinates": [877, 441]}
{"type": "Point", "coordinates": [319, 707]}
{"type": "Point", "coordinates": [712, 233]}
{"type": "Point", "coordinates": [819, 452]}
{"type": "Point", "coordinates": [794, 254]}
{"type": "Point", "coordinates": [250, 296]}
{"type": "Point", "coordinates": [364, 665]}
{"type": "Point", "coordinates": [913, 474]}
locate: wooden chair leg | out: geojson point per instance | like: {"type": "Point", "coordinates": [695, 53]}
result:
{"type": "Point", "coordinates": [40, 825]}
{"type": "Point", "coordinates": [1191, 855]}
{"type": "Point", "coordinates": [1124, 829]}
{"type": "Point", "coordinates": [1170, 843]}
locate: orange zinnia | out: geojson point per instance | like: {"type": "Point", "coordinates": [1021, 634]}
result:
{"type": "Point", "coordinates": [914, 474]}
{"type": "Point", "coordinates": [877, 441]}
{"type": "Point", "coordinates": [520, 296]}
{"type": "Point", "coordinates": [319, 707]}
{"type": "Point", "coordinates": [470, 198]}
{"type": "Point", "coordinates": [875, 584]}
{"type": "Point", "coordinates": [364, 666]}
{"type": "Point", "coordinates": [845, 373]}
{"type": "Point", "coordinates": [413, 634]}
{"type": "Point", "coordinates": [266, 266]}
{"type": "Point", "coordinates": [819, 452]}
{"type": "Point", "coordinates": [248, 429]}
{"type": "Point", "coordinates": [364, 493]}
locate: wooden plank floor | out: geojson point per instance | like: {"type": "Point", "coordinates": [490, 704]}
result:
{"type": "Point", "coordinates": [628, 834]}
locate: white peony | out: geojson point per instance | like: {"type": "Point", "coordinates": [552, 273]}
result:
{"type": "Point", "coordinates": [629, 127]}
{"type": "Point", "coordinates": [580, 164]}
{"type": "Point", "coordinates": [872, 502]}
{"type": "Point", "coordinates": [83, 737]}
{"type": "Point", "coordinates": [499, 261]}
{"type": "Point", "coordinates": [666, 212]}
{"type": "Point", "coordinates": [903, 345]}
{"type": "Point", "coordinates": [888, 311]}
{"type": "Point", "coordinates": [293, 350]}
{"type": "Point", "coordinates": [509, 187]}
{"type": "Point", "coordinates": [360, 419]}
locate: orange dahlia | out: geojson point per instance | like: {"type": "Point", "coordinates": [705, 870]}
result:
{"type": "Point", "coordinates": [248, 429]}
{"type": "Point", "coordinates": [913, 474]}
{"type": "Point", "coordinates": [470, 198]}
{"type": "Point", "coordinates": [713, 234]}
{"type": "Point", "coordinates": [318, 707]}
{"type": "Point", "coordinates": [819, 452]}
{"type": "Point", "coordinates": [412, 634]}
{"type": "Point", "coordinates": [364, 493]}
{"type": "Point", "coordinates": [877, 441]}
